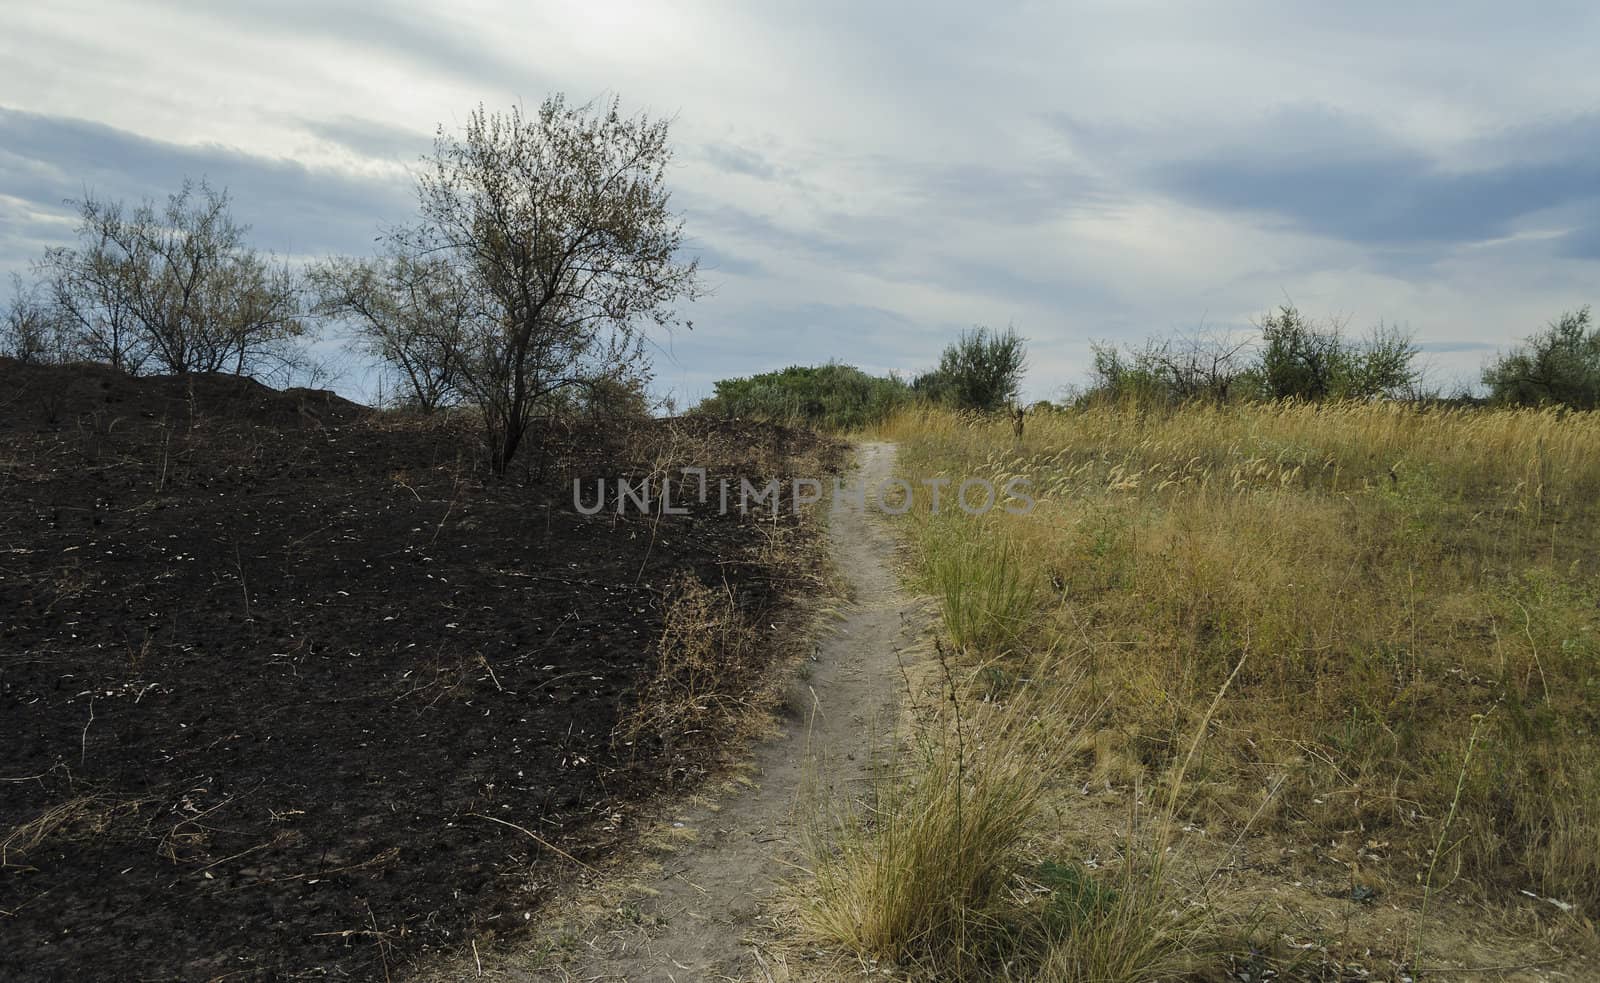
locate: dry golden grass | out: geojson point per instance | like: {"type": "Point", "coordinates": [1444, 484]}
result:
{"type": "Point", "coordinates": [927, 877]}
{"type": "Point", "coordinates": [707, 675]}
{"type": "Point", "coordinates": [1413, 594]}
{"type": "Point", "coordinates": [940, 877]}
{"type": "Point", "coordinates": [710, 681]}
{"type": "Point", "coordinates": [82, 815]}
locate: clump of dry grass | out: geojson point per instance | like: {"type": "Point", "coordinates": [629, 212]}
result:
{"type": "Point", "coordinates": [707, 672]}
{"type": "Point", "coordinates": [717, 641]}
{"type": "Point", "coordinates": [940, 875]}
{"type": "Point", "coordinates": [920, 878]}
{"type": "Point", "coordinates": [1400, 576]}
{"type": "Point", "coordinates": [91, 814]}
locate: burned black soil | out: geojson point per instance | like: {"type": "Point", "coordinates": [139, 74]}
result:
{"type": "Point", "coordinates": [272, 665]}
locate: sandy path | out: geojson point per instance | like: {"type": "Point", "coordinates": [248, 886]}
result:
{"type": "Point", "coordinates": [712, 890]}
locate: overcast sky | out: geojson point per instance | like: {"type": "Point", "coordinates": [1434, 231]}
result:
{"type": "Point", "coordinates": [863, 180]}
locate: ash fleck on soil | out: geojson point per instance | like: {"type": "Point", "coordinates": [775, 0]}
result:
{"type": "Point", "coordinates": [267, 658]}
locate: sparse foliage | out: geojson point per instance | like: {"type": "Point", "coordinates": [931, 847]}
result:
{"type": "Point", "coordinates": [618, 397]}
{"type": "Point", "coordinates": [1199, 366]}
{"type": "Point", "coordinates": [1384, 365]}
{"type": "Point", "coordinates": [1178, 370]}
{"type": "Point", "coordinates": [1294, 359]}
{"type": "Point", "coordinates": [30, 331]}
{"type": "Point", "coordinates": [1299, 360]}
{"type": "Point", "coordinates": [87, 293]}
{"type": "Point", "coordinates": [176, 286]}
{"type": "Point", "coordinates": [408, 310]}
{"type": "Point", "coordinates": [559, 228]}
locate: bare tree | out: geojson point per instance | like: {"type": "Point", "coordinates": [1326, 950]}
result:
{"type": "Point", "coordinates": [1204, 365]}
{"type": "Point", "coordinates": [410, 311]}
{"type": "Point", "coordinates": [87, 290]}
{"type": "Point", "coordinates": [30, 330]}
{"type": "Point", "coordinates": [177, 286]}
{"type": "Point", "coordinates": [559, 224]}
{"type": "Point", "coordinates": [1183, 368]}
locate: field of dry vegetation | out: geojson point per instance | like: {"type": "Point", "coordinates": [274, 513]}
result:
{"type": "Point", "coordinates": [1254, 692]}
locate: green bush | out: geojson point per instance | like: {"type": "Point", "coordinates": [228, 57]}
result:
{"type": "Point", "coordinates": [1295, 358]}
{"type": "Point", "coordinates": [1560, 365]}
{"type": "Point", "coordinates": [982, 370]}
{"type": "Point", "coordinates": [832, 396]}
{"type": "Point", "coordinates": [1302, 360]}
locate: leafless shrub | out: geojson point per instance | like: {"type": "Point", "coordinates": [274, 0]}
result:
{"type": "Point", "coordinates": [174, 285]}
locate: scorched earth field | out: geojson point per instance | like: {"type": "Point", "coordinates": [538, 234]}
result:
{"type": "Point", "coordinates": [281, 676]}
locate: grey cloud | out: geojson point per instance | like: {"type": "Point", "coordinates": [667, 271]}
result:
{"type": "Point", "coordinates": [415, 34]}
{"type": "Point", "coordinates": [1018, 195]}
{"type": "Point", "coordinates": [370, 138]}
{"type": "Point", "coordinates": [734, 159]}
{"type": "Point", "coordinates": [292, 208]}
{"type": "Point", "coordinates": [714, 261]}
{"type": "Point", "coordinates": [1583, 243]}
{"type": "Point", "coordinates": [1060, 289]}
{"type": "Point", "coordinates": [1383, 200]}
{"type": "Point", "coordinates": [1444, 347]}
{"type": "Point", "coordinates": [25, 234]}
{"type": "Point", "coordinates": [738, 227]}
{"type": "Point", "coordinates": [1332, 174]}
{"type": "Point", "coordinates": [886, 242]}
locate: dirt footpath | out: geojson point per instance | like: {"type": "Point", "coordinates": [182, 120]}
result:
{"type": "Point", "coordinates": [714, 890]}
